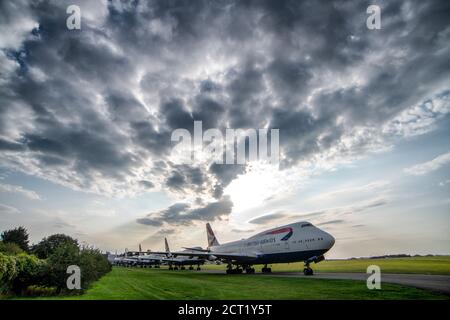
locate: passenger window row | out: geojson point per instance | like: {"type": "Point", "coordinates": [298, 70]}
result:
{"type": "Point", "coordinates": [307, 240]}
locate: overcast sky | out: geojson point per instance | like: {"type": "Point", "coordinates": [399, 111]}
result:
{"type": "Point", "coordinates": [86, 118]}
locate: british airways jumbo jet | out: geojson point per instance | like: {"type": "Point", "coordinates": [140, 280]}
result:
{"type": "Point", "coordinates": [300, 241]}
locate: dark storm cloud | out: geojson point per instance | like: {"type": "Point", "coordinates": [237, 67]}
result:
{"type": "Point", "coordinates": [186, 178]}
{"type": "Point", "coordinates": [166, 231]}
{"type": "Point", "coordinates": [147, 137]}
{"type": "Point", "coordinates": [147, 184]}
{"type": "Point", "coordinates": [209, 111]}
{"type": "Point", "coordinates": [10, 146]}
{"type": "Point", "coordinates": [184, 214]}
{"type": "Point", "coordinates": [226, 173]}
{"type": "Point", "coordinates": [149, 222]}
{"type": "Point", "coordinates": [95, 108]}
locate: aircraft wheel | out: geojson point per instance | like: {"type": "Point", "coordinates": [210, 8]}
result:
{"type": "Point", "coordinates": [191, 268]}
{"type": "Point", "coordinates": [198, 269]}
{"type": "Point", "coordinates": [175, 268]}
{"type": "Point", "coordinates": [170, 268]}
{"type": "Point", "coordinates": [308, 271]}
{"type": "Point", "coordinates": [183, 268]}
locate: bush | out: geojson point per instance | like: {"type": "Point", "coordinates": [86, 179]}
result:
{"type": "Point", "coordinates": [29, 271]}
{"type": "Point", "coordinates": [18, 236]}
{"type": "Point", "coordinates": [8, 272]}
{"type": "Point", "coordinates": [47, 246]}
{"type": "Point", "coordinates": [26, 274]}
{"type": "Point", "coordinates": [55, 273]}
{"type": "Point", "coordinates": [36, 290]}
{"type": "Point", "coordinates": [93, 266]}
{"type": "Point", "coordinates": [10, 248]}
{"type": "Point", "coordinates": [92, 263]}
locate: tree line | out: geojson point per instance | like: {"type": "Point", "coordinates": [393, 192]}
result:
{"type": "Point", "coordinates": [41, 269]}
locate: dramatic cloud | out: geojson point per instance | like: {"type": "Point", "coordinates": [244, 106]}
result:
{"type": "Point", "coordinates": [94, 109]}
{"type": "Point", "coordinates": [184, 214]}
{"type": "Point", "coordinates": [429, 166]}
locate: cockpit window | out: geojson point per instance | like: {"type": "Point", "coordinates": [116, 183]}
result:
{"type": "Point", "coordinates": [306, 225]}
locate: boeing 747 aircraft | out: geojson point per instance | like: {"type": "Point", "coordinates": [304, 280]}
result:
{"type": "Point", "coordinates": [300, 241]}
{"type": "Point", "coordinates": [139, 259]}
{"type": "Point", "coordinates": [174, 261]}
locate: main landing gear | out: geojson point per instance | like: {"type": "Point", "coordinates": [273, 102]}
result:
{"type": "Point", "coordinates": [307, 271]}
{"type": "Point", "coordinates": [249, 270]}
{"type": "Point", "coordinates": [236, 270]}
{"type": "Point", "coordinates": [266, 270]}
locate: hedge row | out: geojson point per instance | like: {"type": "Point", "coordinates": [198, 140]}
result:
{"type": "Point", "coordinates": [19, 271]}
{"type": "Point", "coordinates": [23, 273]}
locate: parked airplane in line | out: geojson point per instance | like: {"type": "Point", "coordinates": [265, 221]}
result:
{"type": "Point", "coordinates": [175, 259]}
{"type": "Point", "coordinates": [300, 241]}
{"type": "Point", "coordinates": [139, 258]}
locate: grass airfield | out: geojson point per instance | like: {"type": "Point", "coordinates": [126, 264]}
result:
{"type": "Point", "coordinates": [142, 284]}
{"type": "Point", "coordinates": [417, 265]}
{"type": "Point", "coordinates": [138, 284]}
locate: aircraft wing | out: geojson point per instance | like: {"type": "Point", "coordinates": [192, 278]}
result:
{"type": "Point", "coordinates": [196, 249]}
{"type": "Point", "coordinates": [210, 255]}
{"type": "Point", "coordinates": [163, 253]}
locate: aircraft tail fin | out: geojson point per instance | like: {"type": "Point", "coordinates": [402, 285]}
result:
{"type": "Point", "coordinates": [167, 246]}
{"type": "Point", "coordinates": [168, 254]}
{"type": "Point", "coordinates": [212, 240]}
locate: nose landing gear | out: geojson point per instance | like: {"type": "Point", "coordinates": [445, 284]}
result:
{"type": "Point", "coordinates": [307, 271]}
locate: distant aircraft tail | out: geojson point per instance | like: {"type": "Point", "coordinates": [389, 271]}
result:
{"type": "Point", "coordinates": [212, 240]}
{"type": "Point", "coordinates": [167, 247]}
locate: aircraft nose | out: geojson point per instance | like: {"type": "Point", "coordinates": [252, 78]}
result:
{"type": "Point", "coordinates": [329, 240]}
{"type": "Point", "coordinates": [332, 240]}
